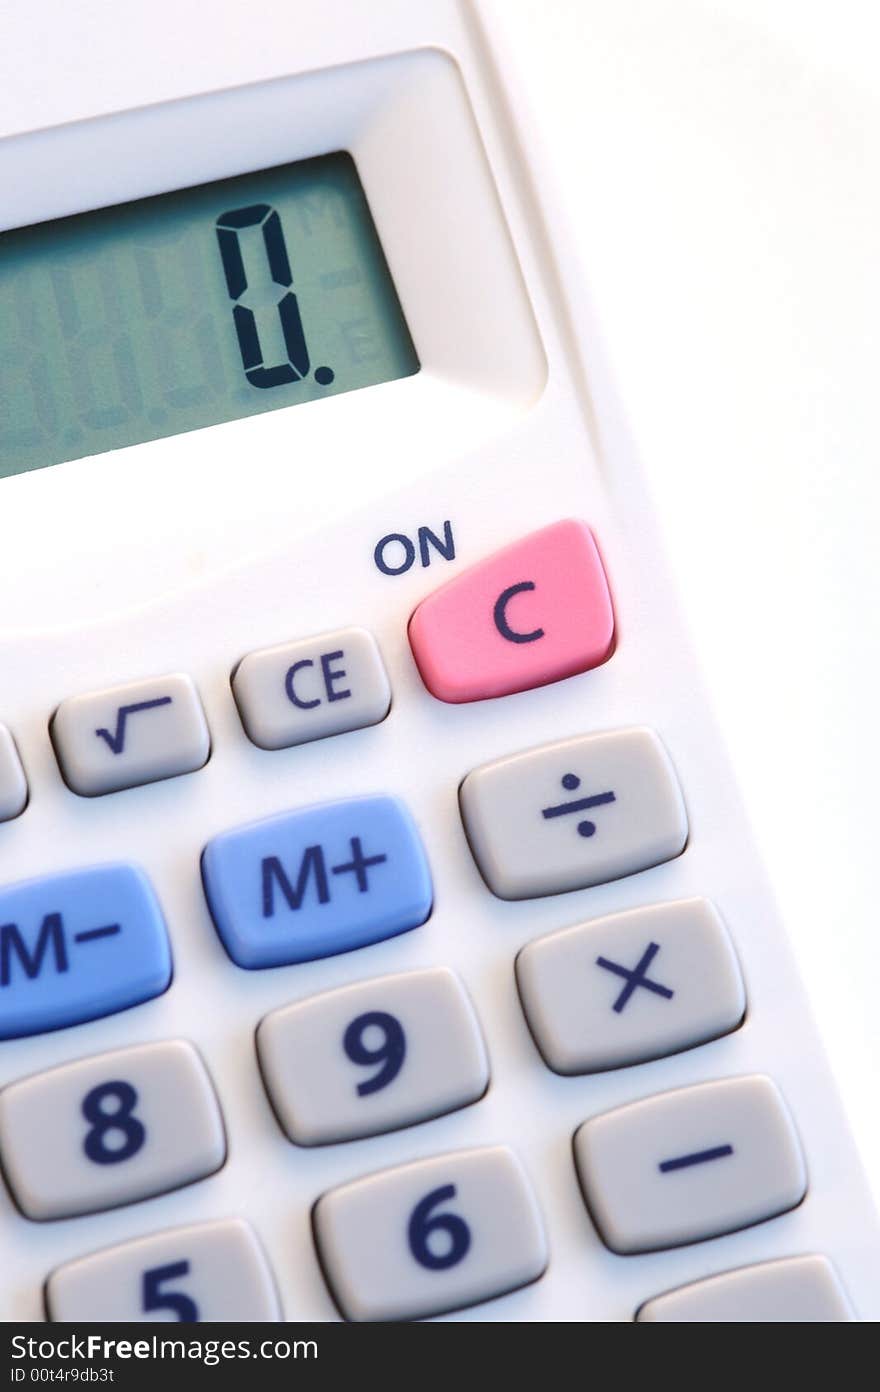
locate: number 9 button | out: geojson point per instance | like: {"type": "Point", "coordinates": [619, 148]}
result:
{"type": "Point", "coordinates": [430, 1237]}
{"type": "Point", "coordinates": [109, 1130]}
{"type": "Point", "coordinates": [373, 1057]}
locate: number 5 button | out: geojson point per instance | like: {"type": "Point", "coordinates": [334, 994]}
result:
{"type": "Point", "coordinates": [430, 1237]}
{"type": "Point", "coordinates": [373, 1057]}
{"type": "Point", "coordinates": [109, 1130]}
{"type": "Point", "coordinates": [207, 1272]}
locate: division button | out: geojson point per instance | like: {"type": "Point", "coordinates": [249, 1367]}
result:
{"type": "Point", "coordinates": [572, 814]}
{"type": "Point", "coordinates": [317, 881]}
{"type": "Point", "coordinates": [631, 987]}
{"type": "Point", "coordinates": [690, 1164]}
{"type": "Point", "coordinates": [373, 1056]}
{"type": "Point", "coordinates": [126, 735]}
{"type": "Point", "coordinates": [795, 1290]}
{"type": "Point", "coordinates": [426, 1238]}
{"type": "Point", "coordinates": [13, 784]}
{"type": "Point", "coordinates": [207, 1273]}
{"type": "Point", "coordinates": [110, 1129]}
{"type": "Point", "coordinates": [308, 690]}
{"type": "Point", "coordinates": [77, 946]}
{"type": "Point", "coordinates": [531, 614]}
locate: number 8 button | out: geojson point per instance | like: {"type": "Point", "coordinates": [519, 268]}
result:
{"type": "Point", "coordinates": [430, 1237]}
{"type": "Point", "coordinates": [109, 1130]}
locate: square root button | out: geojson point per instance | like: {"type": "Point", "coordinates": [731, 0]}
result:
{"type": "Point", "coordinates": [573, 814]}
{"type": "Point", "coordinates": [126, 735]}
{"type": "Point", "coordinates": [317, 881]}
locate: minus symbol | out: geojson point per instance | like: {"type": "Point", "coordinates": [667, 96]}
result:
{"type": "Point", "coordinates": [683, 1162]}
{"type": "Point", "coordinates": [90, 934]}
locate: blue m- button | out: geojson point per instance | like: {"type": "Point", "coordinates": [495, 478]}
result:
{"type": "Point", "coordinates": [317, 881]}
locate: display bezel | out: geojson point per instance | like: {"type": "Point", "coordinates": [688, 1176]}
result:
{"type": "Point", "coordinates": [408, 124]}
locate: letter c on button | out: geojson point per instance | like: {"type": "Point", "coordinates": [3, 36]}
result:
{"type": "Point", "coordinates": [289, 687]}
{"type": "Point", "coordinates": [500, 614]}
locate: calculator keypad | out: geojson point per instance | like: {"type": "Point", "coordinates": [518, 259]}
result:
{"type": "Point", "coordinates": [795, 1290]}
{"type": "Point", "coordinates": [535, 612]}
{"type": "Point", "coordinates": [373, 1057]}
{"type": "Point", "coordinates": [631, 987]}
{"type": "Point", "coordinates": [438, 1234]}
{"type": "Point", "coordinates": [141, 732]}
{"type": "Point", "coordinates": [432, 1236]}
{"type": "Point", "coordinates": [77, 946]}
{"type": "Point", "coordinates": [13, 784]}
{"type": "Point", "coordinates": [209, 1272]}
{"type": "Point", "coordinates": [308, 690]}
{"type": "Point", "coordinates": [574, 813]}
{"type": "Point", "coordinates": [691, 1164]}
{"type": "Point", "coordinates": [317, 881]}
{"type": "Point", "coordinates": [111, 1129]}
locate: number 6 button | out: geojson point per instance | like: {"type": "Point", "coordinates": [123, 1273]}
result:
{"type": "Point", "coordinates": [373, 1057]}
{"type": "Point", "coordinates": [430, 1237]}
{"type": "Point", "coordinates": [109, 1130]}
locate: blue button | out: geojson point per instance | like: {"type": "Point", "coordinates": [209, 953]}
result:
{"type": "Point", "coordinates": [318, 881]}
{"type": "Point", "coordinates": [77, 946]}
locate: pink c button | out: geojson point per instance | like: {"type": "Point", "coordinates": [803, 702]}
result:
{"type": "Point", "coordinates": [535, 612]}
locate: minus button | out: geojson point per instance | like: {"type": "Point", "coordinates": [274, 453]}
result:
{"type": "Point", "coordinates": [698, 1157]}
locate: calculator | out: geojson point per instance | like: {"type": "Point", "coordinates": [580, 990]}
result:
{"type": "Point", "coordinates": [381, 934]}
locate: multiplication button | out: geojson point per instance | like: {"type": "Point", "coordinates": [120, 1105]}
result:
{"type": "Point", "coordinates": [77, 946]}
{"type": "Point", "coordinates": [430, 1237]}
{"type": "Point", "coordinates": [126, 735]}
{"type": "Point", "coordinates": [631, 987]}
{"type": "Point", "coordinates": [573, 814]}
{"type": "Point", "coordinates": [206, 1273]}
{"type": "Point", "coordinates": [109, 1130]}
{"type": "Point", "coordinates": [373, 1056]}
{"type": "Point", "coordinates": [690, 1164]}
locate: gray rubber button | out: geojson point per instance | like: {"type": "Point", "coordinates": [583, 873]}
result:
{"type": "Point", "coordinates": [313, 688]}
{"type": "Point", "coordinates": [209, 1272]}
{"type": "Point", "coordinates": [433, 1236]}
{"type": "Point", "coordinates": [110, 1129]}
{"type": "Point", "coordinates": [630, 987]}
{"type": "Point", "coordinates": [13, 784]}
{"type": "Point", "coordinates": [373, 1056]}
{"type": "Point", "coordinates": [796, 1290]}
{"type": "Point", "coordinates": [690, 1164]}
{"type": "Point", "coordinates": [137, 733]}
{"type": "Point", "coordinates": [573, 814]}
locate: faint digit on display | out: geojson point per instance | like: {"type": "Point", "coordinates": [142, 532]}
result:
{"type": "Point", "coordinates": [390, 1053]}
{"type": "Point", "coordinates": [110, 1122]}
{"type": "Point", "coordinates": [456, 1240]}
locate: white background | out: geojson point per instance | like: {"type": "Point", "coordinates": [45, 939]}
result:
{"type": "Point", "coordinates": [719, 162]}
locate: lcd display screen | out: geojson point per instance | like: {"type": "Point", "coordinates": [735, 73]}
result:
{"type": "Point", "coordinates": [184, 310]}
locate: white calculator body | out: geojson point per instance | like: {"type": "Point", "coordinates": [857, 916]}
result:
{"type": "Point", "coordinates": [381, 935]}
